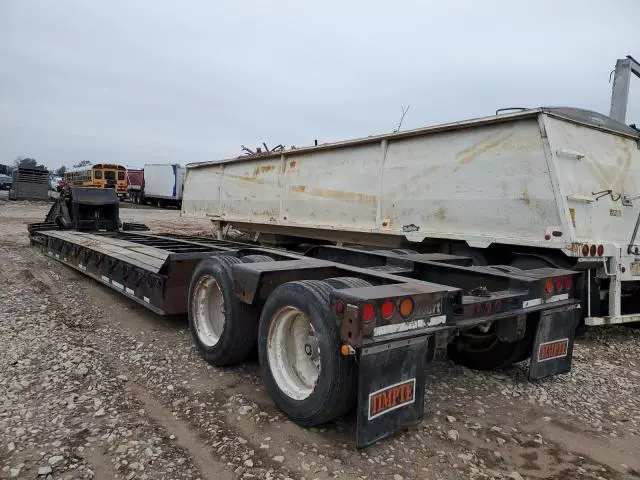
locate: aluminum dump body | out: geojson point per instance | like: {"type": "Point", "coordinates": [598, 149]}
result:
{"type": "Point", "coordinates": [509, 179]}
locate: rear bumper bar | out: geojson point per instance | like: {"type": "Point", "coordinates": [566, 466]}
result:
{"type": "Point", "coordinates": [613, 320]}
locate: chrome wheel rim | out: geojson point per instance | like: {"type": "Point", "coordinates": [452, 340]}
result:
{"type": "Point", "coordinates": [209, 313]}
{"type": "Point", "coordinates": [293, 352]}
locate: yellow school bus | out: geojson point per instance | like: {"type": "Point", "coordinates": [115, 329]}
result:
{"type": "Point", "coordinates": [101, 175]}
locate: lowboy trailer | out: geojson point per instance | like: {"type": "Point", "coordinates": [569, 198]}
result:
{"type": "Point", "coordinates": [336, 327]}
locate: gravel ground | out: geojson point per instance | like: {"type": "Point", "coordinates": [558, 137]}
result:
{"type": "Point", "coordinates": [94, 386]}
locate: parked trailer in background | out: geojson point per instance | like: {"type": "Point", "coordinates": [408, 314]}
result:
{"type": "Point", "coordinates": [336, 328]}
{"type": "Point", "coordinates": [158, 184]}
{"type": "Point", "coordinates": [29, 184]}
{"type": "Point", "coordinates": [135, 184]}
{"type": "Point", "coordinates": [545, 187]}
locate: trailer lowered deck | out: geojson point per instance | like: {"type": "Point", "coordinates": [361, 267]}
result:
{"type": "Point", "coordinates": [336, 327]}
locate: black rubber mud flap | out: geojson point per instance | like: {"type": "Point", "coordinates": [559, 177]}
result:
{"type": "Point", "coordinates": [553, 343]}
{"type": "Point", "coordinates": [391, 381]}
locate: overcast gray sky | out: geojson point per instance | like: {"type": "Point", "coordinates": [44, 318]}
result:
{"type": "Point", "coordinates": [180, 81]}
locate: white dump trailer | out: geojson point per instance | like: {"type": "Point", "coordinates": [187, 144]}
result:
{"type": "Point", "coordinates": [539, 187]}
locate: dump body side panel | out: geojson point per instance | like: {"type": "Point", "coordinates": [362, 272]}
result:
{"type": "Point", "coordinates": [491, 181]}
{"type": "Point", "coordinates": [486, 183]}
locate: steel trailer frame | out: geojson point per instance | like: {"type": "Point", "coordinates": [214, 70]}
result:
{"type": "Point", "coordinates": [448, 293]}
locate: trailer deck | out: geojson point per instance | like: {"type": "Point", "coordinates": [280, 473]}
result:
{"type": "Point", "coordinates": [393, 308]}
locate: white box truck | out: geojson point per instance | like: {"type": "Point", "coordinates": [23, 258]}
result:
{"type": "Point", "coordinates": [163, 184]}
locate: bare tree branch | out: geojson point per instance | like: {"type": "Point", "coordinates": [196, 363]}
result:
{"type": "Point", "coordinates": [404, 112]}
{"type": "Point", "coordinates": [248, 151]}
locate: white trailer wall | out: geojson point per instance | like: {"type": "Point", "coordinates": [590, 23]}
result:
{"type": "Point", "coordinates": [162, 181]}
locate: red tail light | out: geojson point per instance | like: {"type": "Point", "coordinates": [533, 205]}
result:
{"type": "Point", "coordinates": [559, 284]}
{"type": "Point", "coordinates": [387, 309]}
{"type": "Point", "coordinates": [592, 250]}
{"type": "Point", "coordinates": [600, 250]}
{"type": "Point", "coordinates": [339, 306]}
{"type": "Point", "coordinates": [498, 305]}
{"type": "Point", "coordinates": [487, 307]}
{"type": "Point", "coordinates": [567, 283]}
{"type": "Point", "coordinates": [585, 250]}
{"type": "Point", "coordinates": [477, 309]}
{"type": "Point", "coordinates": [368, 312]}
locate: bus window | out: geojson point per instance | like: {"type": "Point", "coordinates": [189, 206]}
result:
{"type": "Point", "coordinates": [120, 176]}
{"type": "Point", "coordinates": [110, 175]}
{"type": "Point", "coordinates": [97, 174]}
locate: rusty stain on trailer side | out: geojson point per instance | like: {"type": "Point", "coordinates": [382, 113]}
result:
{"type": "Point", "coordinates": [337, 194]}
{"type": "Point", "coordinates": [388, 223]}
{"type": "Point", "coordinates": [263, 169]}
{"type": "Point", "coordinates": [271, 212]}
{"type": "Point", "coordinates": [247, 179]}
{"type": "Point", "coordinates": [525, 198]}
{"type": "Point", "coordinates": [292, 164]}
{"type": "Point", "coordinates": [471, 153]}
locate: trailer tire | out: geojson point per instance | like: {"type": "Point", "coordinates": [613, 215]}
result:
{"type": "Point", "coordinates": [311, 391]}
{"type": "Point", "coordinates": [404, 251]}
{"type": "Point", "coordinates": [465, 251]}
{"type": "Point", "coordinates": [228, 337]}
{"type": "Point", "coordinates": [256, 259]}
{"type": "Point", "coordinates": [489, 353]}
{"type": "Point", "coordinates": [347, 282]}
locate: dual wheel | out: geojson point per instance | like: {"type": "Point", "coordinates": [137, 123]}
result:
{"type": "Point", "coordinates": [298, 343]}
{"type": "Point", "coordinates": [481, 349]}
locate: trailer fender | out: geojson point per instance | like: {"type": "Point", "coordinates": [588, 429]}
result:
{"type": "Point", "coordinates": [526, 261]}
{"type": "Point", "coordinates": [553, 342]}
{"type": "Point", "coordinates": [391, 382]}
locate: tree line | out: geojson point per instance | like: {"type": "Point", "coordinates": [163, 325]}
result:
{"type": "Point", "coordinates": [28, 162]}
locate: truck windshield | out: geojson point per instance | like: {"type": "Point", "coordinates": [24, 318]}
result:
{"type": "Point", "coordinates": [109, 175]}
{"type": "Point", "coordinates": [120, 175]}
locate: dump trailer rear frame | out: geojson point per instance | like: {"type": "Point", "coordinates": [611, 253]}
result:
{"type": "Point", "coordinates": [374, 318]}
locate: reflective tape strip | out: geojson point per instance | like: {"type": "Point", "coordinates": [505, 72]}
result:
{"type": "Point", "coordinates": [105, 278]}
{"type": "Point", "coordinates": [534, 302]}
{"type": "Point", "coordinates": [398, 327]}
{"type": "Point", "coordinates": [558, 298]}
{"type": "Point", "coordinates": [146, 299]}
{"type": "Point", "coordinates": [117, 284]}
{"type": "Point", "coordinates": [439, 320]}
{"type": "Point", "coordinates": [129, 291]}
{"type": "Point", "coordinates": [538, 301]}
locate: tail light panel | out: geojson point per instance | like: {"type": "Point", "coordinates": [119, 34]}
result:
{"type": "Point", "coordinates": [392, 310]}
{"type": "Point", "coordinates": [588, 250]}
